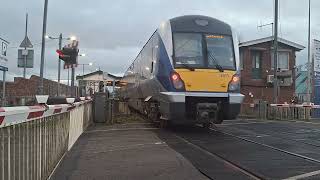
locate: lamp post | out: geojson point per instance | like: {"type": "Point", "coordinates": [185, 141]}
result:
{"type": "Point", "coordinates": [60, 38]}
{"type": "Point", "coordinates": [310, 67]}
{"type": "Point", "coordinates": [43, 45]}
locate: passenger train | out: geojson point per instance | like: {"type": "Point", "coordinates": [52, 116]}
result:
{"type": "Point", "coordinates": [186, 73]}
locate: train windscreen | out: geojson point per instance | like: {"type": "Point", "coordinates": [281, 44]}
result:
{"type": "Point", "coordinates": [196, 50]}
{"type": "Point", "coordinates": [220, 51]}
{"type": "Point", "coordinates": [188, 50]}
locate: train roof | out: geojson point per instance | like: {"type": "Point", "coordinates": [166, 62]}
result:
{"type": "Point", "coordinates": [198, 23]}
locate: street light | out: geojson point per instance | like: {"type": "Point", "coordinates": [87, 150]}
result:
{"type": "Point", "coordinates": [73, 38]}
{"type": "Point", "coordinates": [60, 38]}
{"type": "Point", "coordinates": [89, 64]}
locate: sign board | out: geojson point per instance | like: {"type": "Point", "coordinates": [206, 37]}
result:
{"type": "Point", "coordinates": [316, 78]}
{"type": "Point", "coordinates": [316, 55]}
{"type": "Point", "coordinates": [26, 43]}
{"type": "Point", "coordinates": [25, 53]}
{"type": "Point", "coordinates": [3, 52]}
{"type": "Point", "coordinates": [2, 68]}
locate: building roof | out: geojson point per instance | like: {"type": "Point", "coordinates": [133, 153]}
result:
{"type": "Point", "coordinates": [105, 75]}
{"type": "Point", "coordinates": [90, 74]}
{"type": "Point", "coordinates": [112, 76]}
{"type": "Point", "coordinates": [297, 46]}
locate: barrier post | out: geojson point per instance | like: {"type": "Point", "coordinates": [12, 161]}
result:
{"type": "Point", "coordinates": [34, 139]}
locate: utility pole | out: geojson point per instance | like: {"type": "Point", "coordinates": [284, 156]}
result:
{"type": "Point", "coordinates": [309, 57]}
{"type": "Point", "coordinates": [44, 31]}
{"type": "Point", "coordinates": [59, 64]}
{"type": "Point", "coordinates": [275, 62]}
{"type": "Point", "coordinates": [4, 89]}
{"type": "Point", "coordinates": [68, 82]}
{"type": "Point", "coordinates": [68, 77]}
{"type": "Point", "coordinates": [72, 82]}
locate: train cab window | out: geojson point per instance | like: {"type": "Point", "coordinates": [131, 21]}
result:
{"type": "Point", "coordinates": [188, 50]}
{"type": "Point", "coordinates": [220, 51]}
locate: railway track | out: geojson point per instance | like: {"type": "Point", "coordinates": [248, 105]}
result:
{"type": "Point", "coordinates": [299, 166]}
{"type": "Point", "coordinates": [249, 172]}
{"type": "Point", "coordinates": [282, 135]}
{"type": "Point", "coordinates": [230, 164]}
{"type": "Point", "coordinates": [267, 146]}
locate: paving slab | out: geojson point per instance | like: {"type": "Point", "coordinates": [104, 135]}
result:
{"type": "Point", "coordinates": [124, 152]}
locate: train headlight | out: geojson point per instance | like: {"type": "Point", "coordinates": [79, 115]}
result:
{"type": "Point", "coordinates": [177, 81]}
{"type": "Point", "coordinates": [234, 84]}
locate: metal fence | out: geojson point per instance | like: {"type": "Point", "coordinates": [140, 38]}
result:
{"type": "Point", "coordinates": [30, 150]}
{"type": "Point", "coordinates": [289, 113]}
{"type": "Point", "coordinates": [263, 110]}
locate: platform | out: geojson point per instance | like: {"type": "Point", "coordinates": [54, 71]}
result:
{"type": "Point", "coordinates": [123, 152]}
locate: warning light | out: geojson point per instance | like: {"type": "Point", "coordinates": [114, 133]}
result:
{"type": "Point", "coordinates": [235, 79]}
{"type": "Point", "coordinates": [177, 81]}
{"type": "Point", "coordinates": [60, 53]}
{"type": "Point", "coordinates": [175, 77]}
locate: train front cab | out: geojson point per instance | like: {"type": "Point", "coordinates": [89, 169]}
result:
{"type": "Point", "coordinates": [205, 76]}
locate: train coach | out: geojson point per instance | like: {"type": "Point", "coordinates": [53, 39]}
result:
{"type": "Point", "coordinates": [186, 73]}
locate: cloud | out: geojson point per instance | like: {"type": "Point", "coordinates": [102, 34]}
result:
{"type": "Point", "coordinates": [112, 33]}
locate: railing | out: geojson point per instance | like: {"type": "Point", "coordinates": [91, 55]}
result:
{"type": "Point", "coordinates": [290, 111]}
{"type": "Point", "coordinates": [34, 139]}
{"type": "Point", "coordinates": [262, 110]}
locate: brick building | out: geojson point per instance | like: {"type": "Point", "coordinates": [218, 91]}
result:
{"type": "Point", "coordinates": [22, 91]}
{"type": "Point", "coordinates": [256, 64]}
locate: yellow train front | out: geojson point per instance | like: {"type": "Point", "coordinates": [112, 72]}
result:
{"type": "Point", "coordinates": [187, 73]}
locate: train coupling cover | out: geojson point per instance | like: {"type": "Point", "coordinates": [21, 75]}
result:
{"type": "Point", "coordinates": [207, 112]}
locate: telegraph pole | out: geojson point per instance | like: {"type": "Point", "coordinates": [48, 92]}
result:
{"type": "Point", "coordinates": [73, 94]}
{"type": "Point", "coordinates": [44, 31]}
{"type": "Point", "coordinates": [309, 57]}
{"type": "Point", "coordinates": [275, 62]}
{"type": "Point", "coordinates": [59, 64]}
{"type": "Point", "coordinates": [4, 89]}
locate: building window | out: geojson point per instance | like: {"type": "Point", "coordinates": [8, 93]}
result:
{"type": "Point", "coordinates": [283, 60]}
{"type": "Point", "coordinates": [256, 64]}
{"type": "Point", "coordinates": [241, 59]}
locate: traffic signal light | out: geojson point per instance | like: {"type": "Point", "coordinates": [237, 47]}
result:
{"type": "Point", "coordinates": [69, 54]}
{"type": "Point", "coordinates": [63, 56]}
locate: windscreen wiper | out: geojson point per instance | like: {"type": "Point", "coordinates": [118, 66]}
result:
{"type": "Point", "coordinates": [187, 66]}
{"type": "Point", "coordinates": [214, 60]}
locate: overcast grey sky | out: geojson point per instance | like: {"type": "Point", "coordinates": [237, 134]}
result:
{"type": "Point", "coordinates": [112, 32]}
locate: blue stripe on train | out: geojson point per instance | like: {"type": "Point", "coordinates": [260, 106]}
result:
{"type": "Point", "coordinates": [165, 68]}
